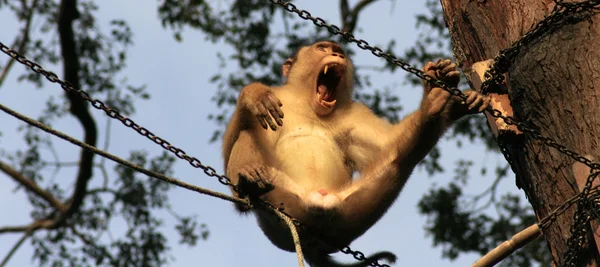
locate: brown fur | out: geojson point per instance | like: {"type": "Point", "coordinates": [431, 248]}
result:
{"type": "Point", "coordinates": [307, 157]}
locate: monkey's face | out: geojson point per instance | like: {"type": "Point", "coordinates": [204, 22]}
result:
{"type": "Point", "coordinates": [323, 67]}
{"type": "Point", "coordinates": [330, 81]}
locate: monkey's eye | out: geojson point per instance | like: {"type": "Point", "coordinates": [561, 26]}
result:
{"type": "Point", "coordinates": [321, 47]}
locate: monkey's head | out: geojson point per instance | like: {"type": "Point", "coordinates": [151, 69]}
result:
{"type": "Point", "coordinates": [324, 73]}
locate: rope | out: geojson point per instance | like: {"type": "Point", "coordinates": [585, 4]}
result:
{"type": "Point", "coordinates": [295, 236]}
{"type": "Point", "coordinates": [119, 160]}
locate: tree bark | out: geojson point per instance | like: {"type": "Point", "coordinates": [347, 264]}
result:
{"type": "Point", "coordinates": [553, 85]}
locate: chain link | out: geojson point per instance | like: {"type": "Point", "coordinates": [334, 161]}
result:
{"type": "Point", "coordinates": [500, 66]}
{"type": "Point", "coordinates": [113, 113]}
{"type": "Point", "coordinates": [178, 152]}
{"type": "Point", "coordinates": [493, 77]}
{"type": "Point", "coordinates": [561, 14]}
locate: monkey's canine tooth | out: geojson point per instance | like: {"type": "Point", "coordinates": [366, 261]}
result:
{"type": "Point", "coordinates": [325, 70]}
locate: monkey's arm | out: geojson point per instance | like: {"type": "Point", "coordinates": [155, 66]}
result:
{"type": "Point", "coordinates": [385, 155]}
{"type": "Point", "coordinates": [255, 105]}
{"type": "Point", "coordinates": [412, 137]}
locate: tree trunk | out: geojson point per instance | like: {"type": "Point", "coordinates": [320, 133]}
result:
{"type": "Point", "coordinates": [553, 85]}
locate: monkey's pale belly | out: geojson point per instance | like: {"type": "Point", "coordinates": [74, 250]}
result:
{"type": "Point", "coordinates": [314, 162]}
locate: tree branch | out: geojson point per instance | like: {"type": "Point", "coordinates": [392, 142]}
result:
{"type": "Point", "coordinates": [39, 224]}
{"type": "Point", "coordinates": [15, 248]}
{"type": "Point", "coordinates": [33, 187]}
{"type": "Point", "coordinates": [352, 18]}
{"type": "Point", "coordinates": [78, 107]}
{"type": "Point", "coordinates": [14, 229]}
{"type": "Point", "coordinates": [91, 243]}
{"type": "Point", "coordinates": [24, 40]}
{"type": "Point", "coordinates": [344, 11]}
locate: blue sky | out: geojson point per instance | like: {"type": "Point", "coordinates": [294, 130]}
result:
{"type": "Point", "coordinates": [177, 77]}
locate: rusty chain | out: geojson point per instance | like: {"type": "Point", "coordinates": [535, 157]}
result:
{"type": "Point", "coordinates": [196, 163]}
{"type": "Point", "coordinates": [494, 76]}
{"type": "Point", "coordinates": [561, 14]}
{"type": "Point", "coordinates": [378, 52]}
{"type": "Point", "coordinates": [113, 113]}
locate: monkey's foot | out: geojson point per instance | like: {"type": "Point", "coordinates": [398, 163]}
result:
{"type": "Point", "coordinates": [253, 181]}
{"type": "Point", "coordinates": [322, 199]}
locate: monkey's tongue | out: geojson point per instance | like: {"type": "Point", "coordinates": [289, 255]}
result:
{"type": "Point", "coordinates": [324, 96]}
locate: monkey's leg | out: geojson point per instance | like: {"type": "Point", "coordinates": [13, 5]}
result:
{"type": "Point", "coordinates": [275, 187]}
{"type": "Point", "coordinates": [366, 200]}
{"type": "Point", "coordinates": [244, 152]}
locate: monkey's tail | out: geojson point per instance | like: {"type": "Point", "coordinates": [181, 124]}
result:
{"type": "Point", "coordinates": [317, 259]}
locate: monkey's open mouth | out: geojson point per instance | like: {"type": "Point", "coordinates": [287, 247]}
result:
{"type": "Point", "coordinates": [329, 79]}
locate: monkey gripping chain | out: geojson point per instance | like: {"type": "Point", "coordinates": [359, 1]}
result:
{"type": "Point", "coordinates": [561, 14]}
{"type": "Point", "coordinates": [499, 67]}
{"type": "Point", "coordinates": [196, 163]}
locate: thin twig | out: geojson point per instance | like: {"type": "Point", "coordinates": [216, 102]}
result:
{"type": "Point", "coordinates": [15, 248]}
{"type": "Point", "coordinates": [119, 160]}
{"type": "Point", "coordinates": [32, 186]}
{"type": "Point", "coordinates": [91, 243]}
{"type": "Point", "coordinates": [23, 41]}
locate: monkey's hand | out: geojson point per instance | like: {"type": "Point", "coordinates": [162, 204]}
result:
{"type": "Point", "coordinates": [434, 97]}
{"type": "Point", "coordinates": [475, 103]}
{"type": "Point", "coordinates": [262, 104]}
{"type": "Point", "coordinates": [253, 181]}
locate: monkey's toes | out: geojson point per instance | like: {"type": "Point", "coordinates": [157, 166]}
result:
{"type": "Point", "coordinates": [251, 183]}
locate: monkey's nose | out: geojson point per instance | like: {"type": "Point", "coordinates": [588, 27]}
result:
{"type": "Point", "coordinates": [337, 54]}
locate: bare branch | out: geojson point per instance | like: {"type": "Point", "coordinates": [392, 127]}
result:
{"type": "Point", "coordinates": [352, 18]}
{"type": "Point", "coordinates": [116, 159]}
{"type": "Point", "coordinates": [78, 107]}
{"type": "Point", "coordinates": [344, 11]}
{"type": "Point", "coordinates": [14, 229]}
{"type": "Point", "coordinates": [39, 224]}
{"type": "Point", "coordinates": [15, 248]}
{"type": "Point", "coordinates": [22, 42]}
{"type": "Point", "coordinates": [91, 243]}
{"type": "Point", "coordinates": [32, 186]}
{"type": "Point", "coordinates": [102, 190]}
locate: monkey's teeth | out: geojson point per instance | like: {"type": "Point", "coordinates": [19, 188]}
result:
{"type": "Point", "coordinates": [325, 70]}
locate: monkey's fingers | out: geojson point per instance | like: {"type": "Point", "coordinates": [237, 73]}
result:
{"type": "Point", "coordinates": [274, 111]}
{"type": "Point", "coordinates": [470, 97]}
{"type": "Point", "coordinates": [443, 63]}
{"type": "Point", "coordinates": [448, 69]}
{"type": "Point", "coordinates": [264, 116]}
{"type": "Point", "coordinates": [278, 104]}
{"type": "Point", "coordinates": [253, 186]}
{"type": "Point", "coordinates": [477, 102]}
{"type": "Point", "coordinates": [486, 103]}
{"type": "Point", "coordinates": [429, 66]}
{"type": "Point", "coordinates": [259, 116]}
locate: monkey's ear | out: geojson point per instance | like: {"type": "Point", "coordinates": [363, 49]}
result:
{"type": "Point", "coordinates": [285, 68]}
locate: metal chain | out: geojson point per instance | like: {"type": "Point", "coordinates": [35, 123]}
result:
{"type": "Point", "coordinates": [196, 163]}
{"type": "Point", "coordinates": [494, 76]}
{"type": "Point", "coordinates": [113, 113]}
{"type": "Point", "coordinates": [561, 14]}
{"type": "Point", "coordinates": [579, 228]}
{"type": "Point", "coordinates": [378, 52]}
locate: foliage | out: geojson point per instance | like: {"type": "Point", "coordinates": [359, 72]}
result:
{"type": "Point", "coordinates": [129, 197]}
{"type": "Point", "coordinates": [252, 29]}
{"type": "Point", "coordinates": [251, 32]}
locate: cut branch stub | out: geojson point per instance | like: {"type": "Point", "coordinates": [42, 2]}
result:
{"type": "Point", "coordinates": [499, 98]}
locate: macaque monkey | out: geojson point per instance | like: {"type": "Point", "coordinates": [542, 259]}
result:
{"type": "Point", "coordinates": [306, 160]}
